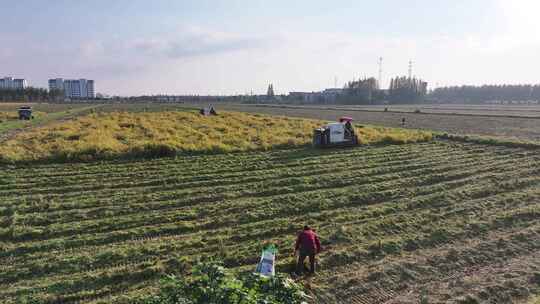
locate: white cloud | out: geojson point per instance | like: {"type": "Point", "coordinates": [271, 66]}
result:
{"type": "Point", "coordinates": [194, 41]}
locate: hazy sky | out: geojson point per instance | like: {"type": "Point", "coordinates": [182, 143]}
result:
{"type": "Point", "coordinates": [135, 47]}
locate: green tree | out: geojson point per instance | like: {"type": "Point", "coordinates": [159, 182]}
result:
{"type": "Point", "coordinates": [29, 94]}
{"type": "Point", "coordinates": [270, 92]}
{"type": "Point", "coordinates": [481, 94]}
{"type": "Point", "coordinates": [407, 90]}
{"type": "Point", "coordinates": [361, 91]}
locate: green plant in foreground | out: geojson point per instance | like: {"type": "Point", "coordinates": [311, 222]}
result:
{"type": "Point", "coordinates": [212, 283]}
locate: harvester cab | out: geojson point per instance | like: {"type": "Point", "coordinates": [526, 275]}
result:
{"type": "Point", "coordinates": [336, 134]}
{"type": "Point", "coordinates": [25, 113]}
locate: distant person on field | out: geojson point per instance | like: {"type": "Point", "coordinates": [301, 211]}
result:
{"type": "Point", "coordinates": [348, 129]}
{"type": "Point", "coordinates": [308, 245]}
{"type": "Point", "coordinates": [403, 122]}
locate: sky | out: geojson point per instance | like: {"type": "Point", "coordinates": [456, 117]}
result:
{"type": "Point", "coordinates": [133, 47]}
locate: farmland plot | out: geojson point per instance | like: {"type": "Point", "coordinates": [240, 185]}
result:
{"type": "Point", "coordinates": [10, 125]}
{"type": "Point", "coordinates": [438, 221]}
{"type": "Point", "coordinates": [124, 134]}
{"type": "Point", "coordinates": [483, 123]}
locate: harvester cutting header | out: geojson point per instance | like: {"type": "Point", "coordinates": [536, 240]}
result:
{"type": "Point", "coordinates": [336, 134]}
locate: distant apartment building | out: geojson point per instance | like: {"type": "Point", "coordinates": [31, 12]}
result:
{"type": "Point", "coordinates": [9, 83]}
{"type": "Point", "coordinates": [74, 88]}
{"type": "Point", "coordinates": [56, 84]}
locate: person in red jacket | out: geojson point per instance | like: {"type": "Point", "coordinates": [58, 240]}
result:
{"type": "Point", "coordinates": [309, 245]}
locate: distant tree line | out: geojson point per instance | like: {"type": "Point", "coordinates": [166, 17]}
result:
{"type": "Point", "coordinates": [361, 91]}
{"type": "Point", "coordinates": [407, 90]}
{"type": "Point", "coordinates": [30, 94]}
{"type": "Point", "coordinates": [481, 94]}
{"type": "Point", "coordinates": [367, 91]}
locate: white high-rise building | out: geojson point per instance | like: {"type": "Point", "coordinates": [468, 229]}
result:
{"type": "Point", "coordinates": [90, 89]}
{"type": "Point", "coordinates": [8, 83]}
{"type": "Point", "coordinates": [74, 88]}
{"type": "Point", "coordinates": [19, 84]}
{"type": "Point", "coordinates": [56, 84]}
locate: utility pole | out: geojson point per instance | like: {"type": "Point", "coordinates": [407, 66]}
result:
{"type": "Point", "coordinates": [335, 81]}
{"type": "Point", "coordinates": [410, 69]}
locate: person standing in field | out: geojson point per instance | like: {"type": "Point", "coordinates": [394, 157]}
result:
{"type": "Point", "coordinates": [308, 245]}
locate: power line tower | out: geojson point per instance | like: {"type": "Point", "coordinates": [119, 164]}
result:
{"type": "Point", "coordinates": [410, 69]}
{"type": "Point", "coordinates": [380, 72]}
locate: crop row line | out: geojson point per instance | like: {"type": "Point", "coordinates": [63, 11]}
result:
{"type": "Point", "coordinates": [348, 183]}
{"type": "Point", "coordinates": [237, 240]}
{"type": "Point", "coordinates": [270, 188]}
{"type": "Point", "coordinates": [214, 164]}
{"type": "Point", "coordinates": [180, 180]}
{"type": "Point", "coordinates": [242, 180]}
{"type": "Point", "coordinates": [334, 206]}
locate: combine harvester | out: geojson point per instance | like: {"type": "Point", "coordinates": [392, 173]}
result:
{"type": "Point", "coordinates": [336, 134]}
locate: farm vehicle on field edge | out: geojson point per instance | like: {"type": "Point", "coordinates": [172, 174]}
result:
{"type": "Point", "coordinates": [25, 113]}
